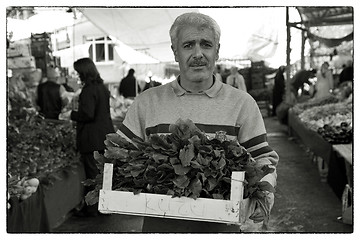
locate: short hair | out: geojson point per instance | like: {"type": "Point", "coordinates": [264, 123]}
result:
{"type": "Point", "coordinates": [131, 72]}
{"type": "Point", "coordinates": [325, 64]}
{"type": "Point", "coordinates": [52, 73]}
{"type": "Point", "coordinates": [194, 19]}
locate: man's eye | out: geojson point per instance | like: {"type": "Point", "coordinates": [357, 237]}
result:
{"type": "Point", "coordinates": [207, 45]}
{"type": "Point", "coordinates": [187, 46]}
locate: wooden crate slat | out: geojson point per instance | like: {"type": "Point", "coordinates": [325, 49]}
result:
{"type": "Point", "coordinates": [237, 180]}
{"type": "Point", "coordinates": [156, 205]}
{"type": "Point", "coordinates": [107, 177]}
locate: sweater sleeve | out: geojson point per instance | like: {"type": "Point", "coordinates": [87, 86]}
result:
{"type": "Point", "coordinates": [252, 136]}
{"type": "Point", "coordinates": [133, 125]}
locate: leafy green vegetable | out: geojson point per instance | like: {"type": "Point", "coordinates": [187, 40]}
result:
{"type": "Point", "coordinates": [37, 147]}
{"type": "Point", "coordinates": [184, 163]}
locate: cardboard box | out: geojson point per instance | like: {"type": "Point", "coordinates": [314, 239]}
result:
{"type": "Point", "coordinates": [21, 62]}
{"type": "Point", "coordinates": [165, 206]}
{"type": "Point", "coordinates": [18, 50]}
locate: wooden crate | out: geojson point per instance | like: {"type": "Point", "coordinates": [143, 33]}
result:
{"type": "Point", "coordinates": [231, 211]}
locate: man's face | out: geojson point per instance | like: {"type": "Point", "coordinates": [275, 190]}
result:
{"type": "Point", "coordinates": [196, 53]}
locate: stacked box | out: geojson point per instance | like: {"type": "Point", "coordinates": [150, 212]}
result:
{"type": "Point", "coordinates": [257, 75]}
{"type": "Point", "coordinates": [18, 50]}
{"type": "Point", "coordinates": [264, 108]}
{"type": "Point", "coordinates": [42, 51]}
{"type": "Point", "coordinates": [21, 62]}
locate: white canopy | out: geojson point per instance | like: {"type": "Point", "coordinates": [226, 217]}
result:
{"type": "Point", "coordinates": [247, 33]}
{"type": "Point", "coordinates": [143, 29]}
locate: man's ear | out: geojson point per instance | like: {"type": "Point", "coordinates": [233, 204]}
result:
{"type": "Point", "coordinates": [217, 52]}
{"type": "Point", "coordinates": [175, 53]}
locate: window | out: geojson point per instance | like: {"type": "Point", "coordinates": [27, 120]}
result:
{"type": "Point", "coordinates": [101, 49]}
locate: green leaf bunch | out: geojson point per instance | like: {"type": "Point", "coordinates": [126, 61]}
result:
{"type": "Point", "coordinates": [185, 162]}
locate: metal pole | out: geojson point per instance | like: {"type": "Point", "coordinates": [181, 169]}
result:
{"type": "Point", "coordinates": [302, 49]}
{"type": "Point", "coordinates": [288, 50]}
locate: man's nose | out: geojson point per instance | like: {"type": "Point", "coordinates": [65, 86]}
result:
{"type": "Point", "coordinates": [198, 51]}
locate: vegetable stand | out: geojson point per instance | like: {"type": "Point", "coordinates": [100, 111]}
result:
{"type": "Point", "coordinates": [48, 207]}
{"type": "Point", "coordinates": [165, 206]}
{"type": "Point", "coordinates": [336, 177]}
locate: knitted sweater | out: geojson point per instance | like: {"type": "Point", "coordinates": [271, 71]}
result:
{"type": "Point", "coordinates": [221, 107]}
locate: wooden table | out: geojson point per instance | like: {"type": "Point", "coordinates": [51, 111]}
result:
{"type": "Point", "coordinates": [345, 151]}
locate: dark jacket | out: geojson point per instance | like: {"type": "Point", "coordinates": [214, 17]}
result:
{"type": "Point", "coordinates": [93, 118]}
{"type": "Point", "coordinates": [301, 77]}
{"type": "Point", "coordinates": [347, 74]}
{"type": "Point", "coordinates": [127, 87]}
{"type": "Point", "coordinates": [49, 100]}
{"type": "Point", "coordinates": [278, 90]}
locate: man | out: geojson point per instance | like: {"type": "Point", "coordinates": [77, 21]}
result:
{"type": "Point", "coordinates": [128, 85]}
{"type": "Point", "coordinates": [347, 74]}
{"type": "Point", "coordinates": [236, 80]}
{"type": "Point", "coordinates": [208, 102]}
{"type": "Point", "coordinates": [302, 76]}
{"type": "Point", "coordinates": [50, 95]}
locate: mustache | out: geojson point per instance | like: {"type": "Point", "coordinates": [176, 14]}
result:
{"type": "Point", "coordinates": [197, 63]}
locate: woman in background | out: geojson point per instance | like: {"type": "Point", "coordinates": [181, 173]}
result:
{"type": "Point", "coordinates": [92, 116]}
{"type": "Point", "coordinates": [324, 83]}
{"type": "Point", "coordinates": [279, 89]}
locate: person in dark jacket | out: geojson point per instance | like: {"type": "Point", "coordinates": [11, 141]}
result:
{"type": "Point", "coordinates": [347, 74]}
{"type": "Point", "coordinates": [49, 96]}
{"type": "Point", "coordinates": [92, 115]}
{"type": "Point", "coordinates": [279, 89]}
{"type": "Point", "coordinates": [128, 85]}
{"type": "Point", "coordinates": [302, 76]}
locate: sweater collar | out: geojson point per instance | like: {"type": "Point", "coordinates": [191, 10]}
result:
{"type": "Point", "coordinates": [211, 92]}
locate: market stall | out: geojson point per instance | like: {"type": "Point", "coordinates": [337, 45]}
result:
{"type": "Point", "coordinates": [44, 173]}
{"type": "Point", "coordinates": [49, 206]}
{"type": "Point", "coordinates": [325, 128]}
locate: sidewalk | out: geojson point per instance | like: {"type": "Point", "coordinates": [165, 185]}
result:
{"type": "Point", "coordinates": [302, 202]}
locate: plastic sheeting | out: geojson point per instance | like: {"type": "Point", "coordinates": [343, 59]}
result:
{"type": "Point", "coordinates": [143, 29]}
{"type": "Point", "coordinates": [69, 55]}
{"type": "Point", "coordinates": [131, 56]}
{"type": "Point", "coordinates": [244, 35]}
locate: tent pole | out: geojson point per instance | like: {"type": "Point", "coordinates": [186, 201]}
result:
{"type": "Point", "coordinates": [302, 49]}
{"type": "Point", "coordinates": [288, 50]}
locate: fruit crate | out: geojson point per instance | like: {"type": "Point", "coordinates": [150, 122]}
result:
{"type": "Point", "coordinates": [231, 211]}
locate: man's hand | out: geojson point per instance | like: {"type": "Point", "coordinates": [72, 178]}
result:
{"type": "Point", "coordinates": [263, 209]}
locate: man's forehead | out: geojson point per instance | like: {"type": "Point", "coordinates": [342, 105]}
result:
{"type": "Point", "coordinates": [192, 33]}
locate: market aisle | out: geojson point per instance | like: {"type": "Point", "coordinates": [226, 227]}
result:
{"type": "Point", "coordinates": [302, 202]}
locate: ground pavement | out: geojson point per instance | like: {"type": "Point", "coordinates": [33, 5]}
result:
{"type": "Point", "coordinates": [303, 203]}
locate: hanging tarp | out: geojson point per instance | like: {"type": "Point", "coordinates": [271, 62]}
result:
{"type": "Point", "coordinates": [131, 56]}
{"type": "Point", "coordinates": [143, 29]}
{"type": "Point", "coordinates": [69, 55]}
{"type": "Point", "coordinates": [263, 43]}
{"type": "Point", "coordinates": [331, 42]}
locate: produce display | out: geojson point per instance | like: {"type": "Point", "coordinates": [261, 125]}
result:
{"type": "Point", "coordinates": [332, 114]}
{"type": "Point", "coordinates": [119, 106]}
{"type": "Point", "coordinates": [331, 117]}
{"type": "Point", "coordinates": [36, 148]}
{"type": "Point", "coordinates": [27, 187]}
{"type": "Point", "coordinates": [337, 134]}
{"type": "Point", "coordinates": [185, 162]}
{"type": "Point", "coordinates": [300, 107]}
